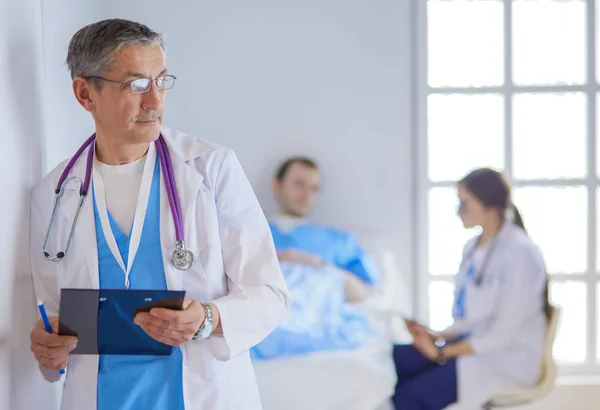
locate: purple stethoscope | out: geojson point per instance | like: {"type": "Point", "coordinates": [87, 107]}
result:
{"type": "Point", "coordinates": [182, 258]}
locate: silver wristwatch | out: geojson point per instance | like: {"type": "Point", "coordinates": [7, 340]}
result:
{"type": "Point", "coordinates": [440, 343]}
{"type": "Point", "coordinates": [206, 327]}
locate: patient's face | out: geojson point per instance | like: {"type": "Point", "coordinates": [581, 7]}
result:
{"type": "Point", "coordinates": [297, 192]}
{"type": "Point", "coordinates": [471, 211]}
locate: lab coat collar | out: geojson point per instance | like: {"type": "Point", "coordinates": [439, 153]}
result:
{"type": "Point", "coordinates": [502, 233]}
{"type": "Point", "coordinates": [506, 227]}
{"type": "Point", "coordinates": [182, 145]}
{"type": "Point", "coordinates": [182, 148]}
{"type": "Point", "coordinates": [499, 239]}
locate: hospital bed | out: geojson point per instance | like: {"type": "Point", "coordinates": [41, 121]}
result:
{"type": "Point", "coordinates": [359, 379]}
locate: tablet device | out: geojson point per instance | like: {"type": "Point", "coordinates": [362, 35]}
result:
{"type": "Point", "coordinates": [102, 319]}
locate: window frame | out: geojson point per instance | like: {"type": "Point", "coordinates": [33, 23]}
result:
{"type": "Point", "coordinates": [591, 277]}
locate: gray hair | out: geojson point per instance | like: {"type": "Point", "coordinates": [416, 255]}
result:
{"type": "Point", "coordinates": [91, 49]}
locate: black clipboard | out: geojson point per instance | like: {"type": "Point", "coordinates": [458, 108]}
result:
{"type": "Point", "coordinates": [102, 320]}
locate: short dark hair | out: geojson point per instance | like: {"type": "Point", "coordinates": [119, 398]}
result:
{"type": "Point", "coordinates": [284, 168]}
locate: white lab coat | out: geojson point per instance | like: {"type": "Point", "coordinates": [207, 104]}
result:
{"type": "Point", "coordinates": [236, 269]}
{"type": "Point", "coordinates": [505, 317]}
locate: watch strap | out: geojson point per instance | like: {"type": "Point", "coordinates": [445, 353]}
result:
{"type": "Point", "coordinates": [440, 343]}
{"type": "Point", "coordinates": [208, 321]}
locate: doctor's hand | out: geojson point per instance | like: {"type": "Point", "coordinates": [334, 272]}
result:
{"type": "Point", "coordinates": [423, 342]}
{"type": "Point", "coordinates": [300, 257]}
{"type": "Point", "coordinates": [51, 350]}
{"type": "Point", "coordinates": [414, 328]}
{"type": "Point", "coordinates": [172, 327]}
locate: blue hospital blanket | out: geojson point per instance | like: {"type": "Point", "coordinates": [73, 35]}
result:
{"type": "Point", "coordinates": [319, 319]}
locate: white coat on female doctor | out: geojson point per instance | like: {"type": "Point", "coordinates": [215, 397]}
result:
{"type": "Point", "coordinates": [504, 315]}
{"type": "Point", "coordinates": [236, 269]}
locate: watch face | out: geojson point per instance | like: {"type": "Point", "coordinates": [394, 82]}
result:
{"type": "Point", "coordinates": [206, 330]}
{"type": "Point", "coordinates": [207, 326]}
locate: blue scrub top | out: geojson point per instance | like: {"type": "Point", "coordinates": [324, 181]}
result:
{"type": "Point", "coordinates": [138, 382]}
{"type": "Point", "coordinates": [332, 246]}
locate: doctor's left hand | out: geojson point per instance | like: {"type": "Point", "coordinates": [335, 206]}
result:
{"type": "Point", "coordinates": [172, 327]}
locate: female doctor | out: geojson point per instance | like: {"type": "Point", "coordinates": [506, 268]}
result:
{"type": "Point", "coordinates": [500, 311]}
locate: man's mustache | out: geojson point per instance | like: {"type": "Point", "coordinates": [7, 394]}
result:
{"type": "Point", "coordinates": [149, 117]}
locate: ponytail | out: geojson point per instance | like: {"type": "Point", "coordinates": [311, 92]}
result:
{"type": "Point", "coordinates": [547, 305]}
{"type": "Point", "coordinates": [516, 216]}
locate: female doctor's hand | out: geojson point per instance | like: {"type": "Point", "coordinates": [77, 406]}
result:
{"type": "Point", "coordinates": [172, 327]}
{"type": "Point", "coordinates": [423, 342]}
{"type": "Point", "coordinates": [414, 328]}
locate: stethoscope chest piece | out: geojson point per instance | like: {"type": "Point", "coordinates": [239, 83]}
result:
{"type": "Point", "coordinates": [182, 258]}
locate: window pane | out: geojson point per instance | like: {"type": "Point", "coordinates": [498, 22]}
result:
{"type": "Point", "coordinates": [556, 219]}
{"type": "Point", "coordinates": [597, 256]}
{"type": "Point", "coordinates": [598, 322]}
{"type": "Point", "coordinates": [549, 135]}
{"type": "Point", "coordinates": [441, 298]}
{"type": "Point", "coordinates": [598, 134]}
{"type": "Point", "coordinates": [571, 297]}
{"type": "Point", "coordinates": [465, 43]}
{"type": "Point", "coordinates": [446, 233]}
{"type": "Point", "coordinates": [549, 42]}
{"type": "Point", "coordinates": [597, 41]}
{"type": "Point", "coordinates": [464, 132]}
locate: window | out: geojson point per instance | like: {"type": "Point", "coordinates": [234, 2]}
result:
{"type": "Point", "coordinates": [514, 85]}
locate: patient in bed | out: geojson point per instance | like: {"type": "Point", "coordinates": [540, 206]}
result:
{"type": "Point", "coordinates": [326, 270]}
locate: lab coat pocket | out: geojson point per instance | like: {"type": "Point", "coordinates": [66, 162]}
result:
{"type": "Point", "coordinates": [206, 378]}
{"type": "Point", "coordinates": [480, 301]}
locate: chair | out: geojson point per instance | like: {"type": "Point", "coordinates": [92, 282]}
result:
{"type": "Point", "coordinates": [515, 396]}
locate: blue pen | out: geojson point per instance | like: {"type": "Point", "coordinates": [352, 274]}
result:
{"type": "Point", "coordinates": [46, 322]}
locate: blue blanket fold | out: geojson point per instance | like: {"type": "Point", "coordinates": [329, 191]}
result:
{"type": "Point", "coordinates": [319, 318]}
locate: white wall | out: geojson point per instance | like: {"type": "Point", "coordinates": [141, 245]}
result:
{"type": "Point", "coordinates": [21, 386]}
{"type": "Point", "coordinates": [67, 125]}
{"type": "Point", "coordinates": [329, 79]}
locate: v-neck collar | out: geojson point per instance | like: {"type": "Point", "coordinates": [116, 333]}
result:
{"type": "Point", "coordinates": [138, 220]}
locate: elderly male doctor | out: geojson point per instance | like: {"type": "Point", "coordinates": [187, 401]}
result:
{"type": "Point", "coordinates": [125, 235]}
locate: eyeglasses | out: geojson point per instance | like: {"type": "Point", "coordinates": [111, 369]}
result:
{"type": "Point", "coordinates": [143, 85]}
{"type": "Point", "coordinates": [462, 207]}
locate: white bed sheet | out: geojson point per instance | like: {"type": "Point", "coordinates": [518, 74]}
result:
{"type": "Point", "coordinates": [359, 379]}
